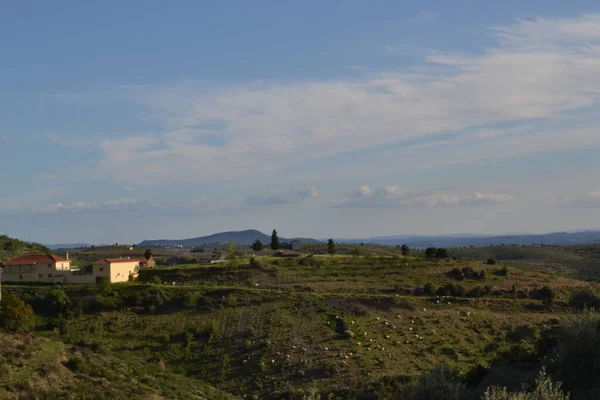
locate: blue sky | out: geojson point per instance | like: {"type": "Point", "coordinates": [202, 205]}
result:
{"type": "Point", "coordinates": [121, 121]}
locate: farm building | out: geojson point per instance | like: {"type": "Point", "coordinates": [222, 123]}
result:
{"type": "Point", "coordinates": [120, 269]}
{"type": "Point", "coordinates": [39, 268]}
{"type": "Point", "coordinates": [55, 269]}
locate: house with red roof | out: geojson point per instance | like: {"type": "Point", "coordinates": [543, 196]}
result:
{"type": "Point", "coordinates": [47, 268]}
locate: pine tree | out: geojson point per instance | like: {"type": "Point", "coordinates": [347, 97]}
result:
{"type": "Point", "coordinates": [331, 247]}
{"type": "Point", "coordinates": [274, 240]}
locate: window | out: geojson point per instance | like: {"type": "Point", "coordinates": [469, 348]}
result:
{"type": "Point", "coordinates": [20, 276]}
{"type": "Point", "coordinates": [101, 269]}
{"type": "Point", "coordinates": [49, 275]}
{"type": "Point", "coordinates": [40, 275]}
{"type": "Point", "coordinates": [49, 265]}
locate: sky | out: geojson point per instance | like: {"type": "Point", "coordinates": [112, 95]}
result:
{"type": "Point", "coordinates": [125, 121]}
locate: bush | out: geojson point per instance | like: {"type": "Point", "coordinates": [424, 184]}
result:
{"type": "Point", "coordinates": [469, 272]}
{"type": "Point", "coordinates": [441, 253]}
{"type": "Point", "coordinates": [309, 261]}
{"type": "Point", "coordinates": [16, 315]}
{"type": "Point", "coordinates": [544, 389]}
{"type": "Point", "coordinates": [441, 383]}
{"type": "Point", "coordinates": [430, 252]}
{"type": "Point", "coordinates": [57, 299]}
{"type": "Point", "coordinates": [256, 264]}
{"type": "Point", "coordinates": [429, 288]}
{"type": "Point", "coordinates": [491, 261]}
{"type": "Point", "coordinates": [584, 299]}
{"type": "Point", "coordinates": [475, 292]}
{"type": "Point", "coordinates": [575, 360]}
{"type": "Point", "coordinates": [482, 275]}
{"type": "Point", "coordinates": [457, 274]}
{"type": "Point", "coordinates": [547, 295]}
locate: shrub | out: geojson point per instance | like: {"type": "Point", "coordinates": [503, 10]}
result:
{"type": "Point", "coordinates": [469, 272]}
{"type": "Point", "coordinates": [575, 360]}
{"type": "Point", "coordinates": [441, 383]}
{"type": "Point", "coordinates": [503, 271]}
{"type": "Point", "coordinates": [544, 389]}
{"type": "Point", "coordinates": [441, 253]}
{"type": "Point", "coordinates": [457, 274]}
{"type": "Point", "coordinates": [547, 295]}
{"type": "Point", "coordinates": [491, 261]}
{"type": "Point", "coordinates": [156, 280]}
{"type": "Point", "coordinates": [584, 299]}
{"type": "Point", "coordinates": [16, 315]}
{"type": "Point", "coordinates": [475, 292]}
{"type": "Point", "coordinates": [256, 264]}
{"type": "Point", "coordinates": [57, 299]}
{"type": "Point", "coordinates": [309, 261]}
{"type": "Point", "coordinates": [430, 252]}
{"type": "Point", "coordinates": [429, 288]}
{"type": "Point", "coordinates": [482, 275]}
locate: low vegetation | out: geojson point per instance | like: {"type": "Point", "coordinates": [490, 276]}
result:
{"type": "Point", "coordinates": [327, 325]}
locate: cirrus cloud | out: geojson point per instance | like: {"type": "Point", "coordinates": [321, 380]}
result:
{"type": "Point", "coordinates": [391, 196]}
{"type": "Point", "coordinates": [537, 70]}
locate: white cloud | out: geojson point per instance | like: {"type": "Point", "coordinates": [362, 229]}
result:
{"type": "Point", "coordinates": [590, 199]}
{"type": "Point", "coordinates": [391, 196]}
{"type": "Point", "coordinates": [363, 191]}
{"type": "Point", "coordinates": [278, 197]}
{"type": "Point", "coordinates": [538, 70]}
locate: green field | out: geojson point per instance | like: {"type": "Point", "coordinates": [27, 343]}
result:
{"type": "Point", "coordinates": [288, 327]}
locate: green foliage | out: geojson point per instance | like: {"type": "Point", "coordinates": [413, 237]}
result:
{"type": "Point", "coordinates": [428, 288]}
{"type": "Point", "coordinates": [457, 274]}
{"type": "Point", "coordinates": [544, 389]}
{"type": "Point", "coordinates": [405, 250]}
{"type": "Point", "coordinates": [331, 247]}
{"type": "Point", "coordinates": [156, 280]}
{"type": "Point", "coordinates": [430, 252]}
{"type": "Point", "coordinates": [16, 315]}
{"type": "Point", "coordinates": [441, 253]}
{"type": "Point", "coordinates": [584, 299]}
{"type": "Point", "coordinates": [441, 383]}
{"type": "Point", "coordinates": [275, 240]}
{"type": "Point", "coordinates": [576, 358]}
{"type": "Point", "coordinates": [258, 246]}
{"type": "Point", "coordinates": [231, 250]}
{"type": "Point", "coordinates": [148, 254]}
{"type": "Point", "coordinates": [104, 286]}
{"type": "Point", "coordinates": [491, 261]}
{"type": "Point", "coordinates": [57, 299]}
{"type": "Point", "coordinates": [547, 295]}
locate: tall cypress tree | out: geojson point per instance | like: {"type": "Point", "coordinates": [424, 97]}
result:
{"type": "Point", "coordinates": [274, 240]}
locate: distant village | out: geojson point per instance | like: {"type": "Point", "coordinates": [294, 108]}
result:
{"type": "Point", "coordinates": [50, 268]}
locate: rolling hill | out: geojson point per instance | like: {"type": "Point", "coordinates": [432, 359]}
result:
{"type": "Point", "coordinates": [466, 240]}
{"type": "Point", "coordinates": [239, 238]}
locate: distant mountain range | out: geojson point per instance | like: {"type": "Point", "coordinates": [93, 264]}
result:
{"type": "Point", "coordinates": [461, 240]}
{"type": "Point", "coordinates": [239, 238]}
{"type": "Point", "coordinates": [247, 237]}
{"type": "Point", "coordinates": [70, 245]}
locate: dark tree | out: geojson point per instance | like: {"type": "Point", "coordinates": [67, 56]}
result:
{"type": "Point", "coordinates": [430, 252]}
{"type": "Point", "coordinates": [405, 250]}
{"type": "Point", "coordinates": [16, 315]}
{"type": "Point", "coordinates": [274, 240]}
{"type": "Point", "coordinates": [148, 254]}
{"type": "Point", "coordinates": [258, 246]}
{"type": "Point", "coordinates": [441, 253]}
{"type": "Point", "coordinates": [331, 247]}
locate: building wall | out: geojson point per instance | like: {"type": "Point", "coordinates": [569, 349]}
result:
{"type": "Point", "coordinates": [40, 272]}
{"type": "Point", "coordinates": [119, 272]}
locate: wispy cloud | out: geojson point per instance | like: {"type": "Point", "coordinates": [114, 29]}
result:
{"type": "Point", "coordinates": [537, 70]}
{"type": "Point", "coordinates": [278, 197]}
{"type": "Point", "coordinates": [391, 196]}
{"type": "Point", "coordinates": [589, 199]}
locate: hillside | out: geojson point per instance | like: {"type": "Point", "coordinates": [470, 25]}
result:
{"type": "Point", "coordinates": [10, 248]}
{"type": "Point", "coordinates": [239, 238]}
{"type": "Point", "coordinates": [466, 240]}
{"type": "Point", "coordinates": [291, 328]}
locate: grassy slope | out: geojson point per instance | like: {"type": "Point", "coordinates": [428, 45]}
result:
{"type": "Point", "coordinates": [577, 261]}
{"type": "Point", "coordinates": [47, 368]}
{"type": "Point", "coordinates": [10, 248]}
{"type": "Point", "coordinates": [271, 330]}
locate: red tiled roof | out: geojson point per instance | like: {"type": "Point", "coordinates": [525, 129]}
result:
{"type": "Point", "coordinates": [30, 260]}
{"type": "Point", "coordinates": [119, 260]}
